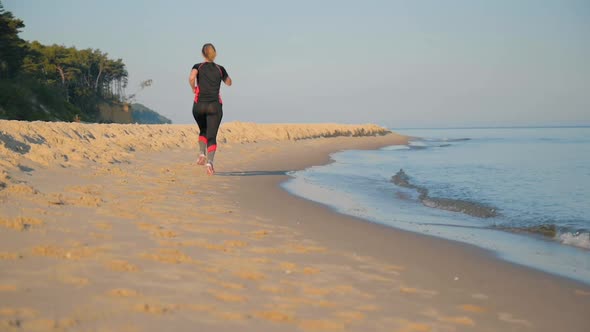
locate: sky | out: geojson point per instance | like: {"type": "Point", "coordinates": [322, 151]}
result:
{"type": "Point", "coordinates": [399, 64]}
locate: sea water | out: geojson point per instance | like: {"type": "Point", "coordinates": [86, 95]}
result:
{"type": "Point", "coordinates": [535, 180]}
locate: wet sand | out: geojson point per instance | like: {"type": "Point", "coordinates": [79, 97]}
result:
{"type": "Point", "coordinates": [152, 243]}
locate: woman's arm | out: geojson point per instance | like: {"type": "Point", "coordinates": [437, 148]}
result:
{"type": "Point", "coordinates": [224, 76]}
{"type": "Point", "coordinates": [192, 78]}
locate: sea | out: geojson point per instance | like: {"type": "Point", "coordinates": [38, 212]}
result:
{"type": "Point", "coordinates": [521, 193]}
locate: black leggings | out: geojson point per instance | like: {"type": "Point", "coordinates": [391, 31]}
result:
{"type": "Point", "coordinates": [208, 116]}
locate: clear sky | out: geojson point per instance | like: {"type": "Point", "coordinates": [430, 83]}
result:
{"type": "Point", "coordinates": [395, 63]}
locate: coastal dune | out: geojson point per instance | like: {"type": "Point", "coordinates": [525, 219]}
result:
{"type": "Point", "coordinates": [63, 144]}
{"type": "Point", "coordinates": [108, 227]}
{"type": "Point", "coordinates": [66, 144]}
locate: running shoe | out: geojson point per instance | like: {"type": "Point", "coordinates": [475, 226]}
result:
{"type": "Point", "coordinates": [202, 159]}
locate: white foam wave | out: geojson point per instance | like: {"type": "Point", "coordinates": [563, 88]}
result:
{"type": "Point", "coordinates": [418, 143]}
{"type": "Point", "coordinates": [581, 240]}
{"type": "Point", "coordinates": [396, 147]}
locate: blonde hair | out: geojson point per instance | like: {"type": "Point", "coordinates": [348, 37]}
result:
{"type": "Point", "coordinates": [209, 52]}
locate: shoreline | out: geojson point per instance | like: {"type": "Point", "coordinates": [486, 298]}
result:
{"type": "Point", "coordinates": [490, 254]}
{"type": "Point", "coordinates": [277, 183]}
{"type": "Point", "coordinates": [138, 245]}
{"type": "Point", "coordinates": [491, 239]}
{"type": "Point", "coordinates": [469, 264]}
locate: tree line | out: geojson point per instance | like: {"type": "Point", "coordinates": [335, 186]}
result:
{"type": "Point", "coordinates": [69, 81]}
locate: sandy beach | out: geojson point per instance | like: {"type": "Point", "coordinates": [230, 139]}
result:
{"type": "Point", "coordinates": [115, 228]}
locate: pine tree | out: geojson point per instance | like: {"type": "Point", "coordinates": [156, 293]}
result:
{"type": "Point", "coordinates": [12, 48]}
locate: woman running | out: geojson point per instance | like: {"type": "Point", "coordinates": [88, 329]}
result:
{"type": "Point", "coordinates": [205, 80]}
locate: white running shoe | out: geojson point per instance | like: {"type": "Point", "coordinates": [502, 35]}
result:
{"type": "Point", "coordinates": [202, 159]}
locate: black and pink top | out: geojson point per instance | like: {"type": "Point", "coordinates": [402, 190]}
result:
{"type": "Point", "coordinates": [209, 79]}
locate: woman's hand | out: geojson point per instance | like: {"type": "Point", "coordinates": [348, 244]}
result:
{"type": "Point", "coordinates": [227, 81]}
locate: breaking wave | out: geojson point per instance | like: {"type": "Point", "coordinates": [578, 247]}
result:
{"type": "Point", "coordinates": [471, 208]}
{"type": "Point", "coordinates": [580, 239]}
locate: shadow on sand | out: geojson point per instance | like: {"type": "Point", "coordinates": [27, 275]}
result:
{"type": "Point", "coordinates": [252, 173]}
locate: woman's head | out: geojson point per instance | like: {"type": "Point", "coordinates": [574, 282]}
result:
{"type": "Point", "coordinates": [209, 52]}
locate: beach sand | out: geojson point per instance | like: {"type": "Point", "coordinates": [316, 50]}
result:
{"type": "Point", "coordinates": [115, 228]}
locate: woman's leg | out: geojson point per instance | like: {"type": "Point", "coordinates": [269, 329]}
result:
{"type": "Point", "coordinates": [214, 116]}
{"type": "Point", "coordinates": [201, 117]}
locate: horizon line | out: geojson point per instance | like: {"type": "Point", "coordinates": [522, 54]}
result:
{"type": "Point", "coordinates": [497, 127]}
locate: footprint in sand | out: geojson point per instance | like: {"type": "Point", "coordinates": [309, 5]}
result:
{"type": "Point", "coordinates": [157, 230]}
{"type": "Point", "coordinates": [84, 200]}
{"type": "Point", "coordinates": [56, 199]}
{"type": "Point", "coordinates": [165, 234]}
{"type": "Point", "coordinates": [260, 234]}
{"type": "Point", "coordinates": [9, 256]}
{"type": "Point", "coordinates": [21, 223]}
{"type": "Point", "coordinates": [122, 292]}
{"type": "Point", "coordinates": [155, 308]}
{"type": "Point", "coordinates": [115, 171]}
